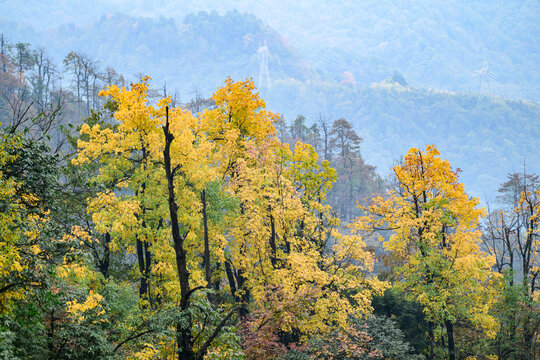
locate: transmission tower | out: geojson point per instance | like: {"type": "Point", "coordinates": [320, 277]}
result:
{"type": "Point", "coordinates": [485, 76]}
{"type": "Point", "coordinates": [263, 66]}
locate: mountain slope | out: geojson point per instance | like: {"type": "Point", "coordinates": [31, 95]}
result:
{"type": "Point", "coordinates": [195, 54]}
{"type": "Point", "coordinates": [437, 43]}
{"type": "Point", "coordinates": [484, 137]}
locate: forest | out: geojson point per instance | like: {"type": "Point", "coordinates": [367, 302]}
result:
{"type": "Point", "coordinates": [134, 225]}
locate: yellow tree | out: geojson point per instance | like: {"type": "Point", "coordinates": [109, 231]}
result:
{"type": "Point", "coordinates": [238, 126]}
{"type": "Point", "coordinates": [283, 235]}
{"type": "Point", "coordinates": [157, 161]}
{"type": "Point", "coordinates": [436, 241]}
{"type": "Point", "coordinates": [338, 260]}
{"type": "Point", "coordinates": [286, 241]}
{"type": "Point", "coordinates": [282, 195]}
{"type": "Point", "coordinates": [162, 162]}
{"type": "Point", "coordinates": [11, 218]}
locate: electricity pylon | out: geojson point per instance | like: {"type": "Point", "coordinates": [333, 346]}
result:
{"type": "Point", "coordinates": [485, 76]}
{"type": "Point", "coordinates": [263, 65]}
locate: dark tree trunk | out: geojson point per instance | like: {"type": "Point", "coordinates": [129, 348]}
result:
{"type": "Point", "coordinates": [431, 342]}
{"type": "Point", "coordinates": [104, 263]}
{"type": "Point", "coordinates": [273, 249]}
{"type": "Point", "coordinates": [50, 334]}
{"type": "Point", "coordinates": [184, 336]}
{"type": "Point", "coordinates": [147, 265]}
{"type": "Point", "coordinates": [144, 258]}
{"type": "Point", "coordinates": [217, 281]}
{"type": "Point", "coordinates": [143, 288]}
{"type": "Point", "coordinates": [207, 267]}
{"type": "Point", "coordinates": [450, 334]}
{"type": "Point", "coordinates": [230, 277]}
{"type": "Point", "coordinates": [243, 298]}
{"type": "Point", "coordinates": [236, 282]}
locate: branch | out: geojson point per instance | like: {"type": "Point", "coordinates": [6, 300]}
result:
{"type": "Point", "coordinates": [195, 289]}
{"type": "Point", "coordinates": [9, 286]}
{"type": "Point", "coordinates": [204, 347]}
{"type": "Point", "coordinates": [132, 337]}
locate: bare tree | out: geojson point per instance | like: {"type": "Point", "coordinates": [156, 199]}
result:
{"type": "Point", "coordinates": [324, 124]}
{"type": "Point", "coordinates": [512, 232]}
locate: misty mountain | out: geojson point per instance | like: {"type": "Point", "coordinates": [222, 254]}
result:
{"type": "Point", "coordinates": [484, 136]}
{"type": "Point", "coordinates": [436, 44]}
{"type": "Point", "coordinates": [195, 54]}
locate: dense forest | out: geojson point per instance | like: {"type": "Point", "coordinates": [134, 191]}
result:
{"type": "Point", "coordinates": [135, 225]}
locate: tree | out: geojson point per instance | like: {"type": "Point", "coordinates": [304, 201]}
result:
{"type": "Point", "coordinates": [408, 316]}
{"type": "Point", "coordinates": [15, 98]}
{"type": "Point", "coordinates": [156, 155]}
{"type": "Point", "coordinates": [285, 234]}
{"type": "Point", "coordinates": [31, 215]}
{"type": "Point", "coordinates": [24, 57]}
{"type": "Point", "coordinates": [3, 51]}
{"type": "Point", "coordinates": [85, 75]}
{"type": "Point", "coordinates": [42, 79]}
{"type": "Point", "coordinates": [33, 248]}
{"type": "Point", "coordinates": [19, 228]}
{"type": "Point", "coordinates": [299, 129]}
{"type": "Point", "coordinates": [356, 179]}
{"type": "Point", "coordinates": [435, 239]}
{"type": "Point", "coordinates": [511, 235]}
{"type": "Point", "coordinates": [29, 104]}
{"type": "Point", "coordinates": [519, 316]}
{"type": "Point", "coordinates": [345, 140]}
{"type": "Point", "coordinates": [325, 127]}
{"type": "Point", "coordinates": [521, 195]}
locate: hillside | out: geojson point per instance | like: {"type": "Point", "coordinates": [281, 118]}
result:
{"type": "Point", "coordinates": [486, 138]}
{"type": "Point", "coordinates": [433, 43]}
{"type": "Point", "coordinates": [198, 52]}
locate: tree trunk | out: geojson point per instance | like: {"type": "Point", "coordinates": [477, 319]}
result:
{"type": "Point", "coordinates": [273, 249]}
{"type": "Point", "coordinates": [431, 342]}
{"type": "Point", "coordinates": [510, 254]}
{"type": "Point", "coordinates": [184, 336]}
{"type": "Point", "coordinates": [2, 52]}
{"type": "Point", "coordinates": [104, 263]}
{"type": "Point", "coordinates": [230, 277]}
{"type": "Point", "coordinates": [450, 334]}
{"type": "Point", "coordinates": [147, 265]}
{"type": "Point", "coordinates": [207, 268]}
{"type": "Point", "coordinates": [243, 298]}
{"type": "Point", "coordinates": [143, 288]}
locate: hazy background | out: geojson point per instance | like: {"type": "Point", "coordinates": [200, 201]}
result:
{"type": "Point", "coordinates": [463, 75]}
